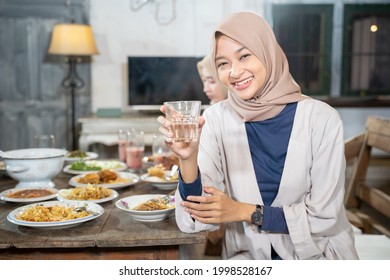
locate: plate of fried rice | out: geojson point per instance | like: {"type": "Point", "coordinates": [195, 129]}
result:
{"type": "Point", "coordinates": [55, 214]}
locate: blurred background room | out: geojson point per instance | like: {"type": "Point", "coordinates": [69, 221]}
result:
{"type": "Point", "coordinates": [126, 57]}
{"type": "Point", "coordinates": [340, 55]}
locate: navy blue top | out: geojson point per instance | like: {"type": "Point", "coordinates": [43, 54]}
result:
{"type": "Point", "coordinates": [268, 141]}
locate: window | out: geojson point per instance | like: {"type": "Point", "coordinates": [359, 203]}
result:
{"type": "Point", "coordinates": [366, 51]}
{"type": "Point", "coordinates": [305, 34]}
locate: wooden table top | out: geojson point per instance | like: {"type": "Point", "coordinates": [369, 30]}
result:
{"type": "Point", "coordinates": [114, 229]}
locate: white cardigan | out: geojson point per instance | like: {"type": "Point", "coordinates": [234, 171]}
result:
{"type": "Point", "coordinates": [311, 189]}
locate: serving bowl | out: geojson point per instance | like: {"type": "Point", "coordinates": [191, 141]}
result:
{"type": "Point", "coordinates": [34, 167]}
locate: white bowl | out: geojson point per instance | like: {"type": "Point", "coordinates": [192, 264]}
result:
{"type": "Point", "coordinates": [128, 203]}
{"type": "Point", "coordinates": [34, 167]}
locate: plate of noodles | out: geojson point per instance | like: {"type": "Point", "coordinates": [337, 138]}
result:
{"type": "Point", "coordinates": [148, 207]}
{"type": "Point", "coordinates": [90, 193]}
{"type": "Point", "coordinates": [106, 178]}
{"type": "Point", "coordinates": [55, 214]}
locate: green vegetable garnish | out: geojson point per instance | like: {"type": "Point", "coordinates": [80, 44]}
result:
{"type": "Point", "coordinates": [77, 153]}
{"type": "Point", "coordinates": [82, 166]}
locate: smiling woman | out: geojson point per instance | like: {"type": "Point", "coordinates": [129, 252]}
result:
{"type": "Point", "coordinates": [291, 152]}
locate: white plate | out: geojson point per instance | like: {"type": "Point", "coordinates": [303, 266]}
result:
{"type": "Point", "coordinates": [90, 156]}
{"type": "Point", "coordinates": [104, 164]}
{"type": "Point", "coordinates": [97, 209]}
{"type": "Point", "coordinates": [62, 194]}
{"type": "Point", "coordinates": [4, 195]}
{"type": "Point", "coordinates": [128, 203]}
{"type": "Point", "coordinates": [132, 177]}
{"type": "Point", "coordinates": [159, 183]}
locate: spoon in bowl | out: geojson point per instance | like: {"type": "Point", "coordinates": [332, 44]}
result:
{"type": "Point", "coordinates": [84, 209]}
{"type": "Point", "coordinates": [171, 173]}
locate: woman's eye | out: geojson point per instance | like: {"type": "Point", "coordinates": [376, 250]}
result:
{"type": "Point", "coordinates": [222, 65]}
{"type": "Point", "coordinates": [245, 56]}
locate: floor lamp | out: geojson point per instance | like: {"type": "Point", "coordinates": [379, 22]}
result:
{"type": "Point", "coordinates": [72, 41]}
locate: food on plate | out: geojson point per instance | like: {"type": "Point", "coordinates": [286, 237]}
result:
{"type": "Point", "coordinates": [159, 172]}
{"type": "Point", "coordinates": [56, 213]}
{"type": "Point", "coordinates": [95, 165]}
{"type": "Point", "coordinates": [104, 176]}
{"type": "Point", "coordinates": [29, 193]}
{"type": "Point", "coordinates": [159, 203]}
{"type": "Point", "coordinates": [91, 178]}
{"type": "Point", "coordinates": [91, 192]}
{"type": "Point", "coordinates": [166, 161]}
{"type": "Point", "coordinates": [107, 176]}
{"type": "Point", "coordinates": [83, 166]}
{"type": "Point", "coordinates": [76, 154]}
{"type": "Point", "coordinates": [148, 159]}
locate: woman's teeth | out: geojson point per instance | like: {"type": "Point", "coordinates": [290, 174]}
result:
{"type": "Point", "coordinates": [243, 82]}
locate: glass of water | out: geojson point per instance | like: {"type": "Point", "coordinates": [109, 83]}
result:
{"type": "Point", "coordinates": [183, 116]}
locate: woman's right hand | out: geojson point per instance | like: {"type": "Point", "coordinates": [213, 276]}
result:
{"type": "Point", "coordinates": [183, 150]}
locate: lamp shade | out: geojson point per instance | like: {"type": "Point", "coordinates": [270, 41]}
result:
{"type": "Point", "coordinates": [72, 39]}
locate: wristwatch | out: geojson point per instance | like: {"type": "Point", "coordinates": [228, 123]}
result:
{"type": "Point", "coordinates": [257, 216]}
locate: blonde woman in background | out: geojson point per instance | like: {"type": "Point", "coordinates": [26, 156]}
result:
{"type": "Point", "coordinates": [212, 87]}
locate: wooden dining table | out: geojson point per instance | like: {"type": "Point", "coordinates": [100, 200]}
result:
{"type": "Point", "coordinates": [113, 236]}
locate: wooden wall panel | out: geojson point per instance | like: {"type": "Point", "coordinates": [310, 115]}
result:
{"type": "Point", "coordinates": [32, 100]}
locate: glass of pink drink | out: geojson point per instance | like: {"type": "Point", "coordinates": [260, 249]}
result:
{"type": "Point", "coordinates": [135, 149]}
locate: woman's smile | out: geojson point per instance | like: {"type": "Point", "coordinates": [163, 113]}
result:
{"type": "Point", "coordinates": [243, 84]}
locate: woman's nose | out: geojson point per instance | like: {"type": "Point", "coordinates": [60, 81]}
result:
{"type": "Point", "coordinates": [206, 87]}
{"type": "Point", "coordinates": [236, 71]}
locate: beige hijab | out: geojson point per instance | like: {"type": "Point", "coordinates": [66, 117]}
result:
{"type": "Point", "coordinates": [253, 32]}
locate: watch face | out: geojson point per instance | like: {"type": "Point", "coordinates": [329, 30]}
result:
{"type": "Point", "coordinates": [257, 216]}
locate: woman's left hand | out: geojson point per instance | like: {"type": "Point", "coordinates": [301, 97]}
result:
{"type": "Point", "coordinates": [217, 208]}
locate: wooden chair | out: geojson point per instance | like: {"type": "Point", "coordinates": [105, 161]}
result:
{"type": "Point", "coordinates": [352, 150]}
{"type": "Point", "coordinates": [368, 200]}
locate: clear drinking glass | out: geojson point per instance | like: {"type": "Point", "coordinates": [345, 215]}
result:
{"type": "Point", "coordinates": [122, 139]}
{"type": "Point", "coordinates": [183, 116]}
{"type": "Point", "coordinates": [44, 141]}
{"type": "Point", "coordinates": [161, 152]}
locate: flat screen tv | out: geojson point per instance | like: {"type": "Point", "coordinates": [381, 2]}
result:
{"type": "Point", "coordinates": [154, 80]}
